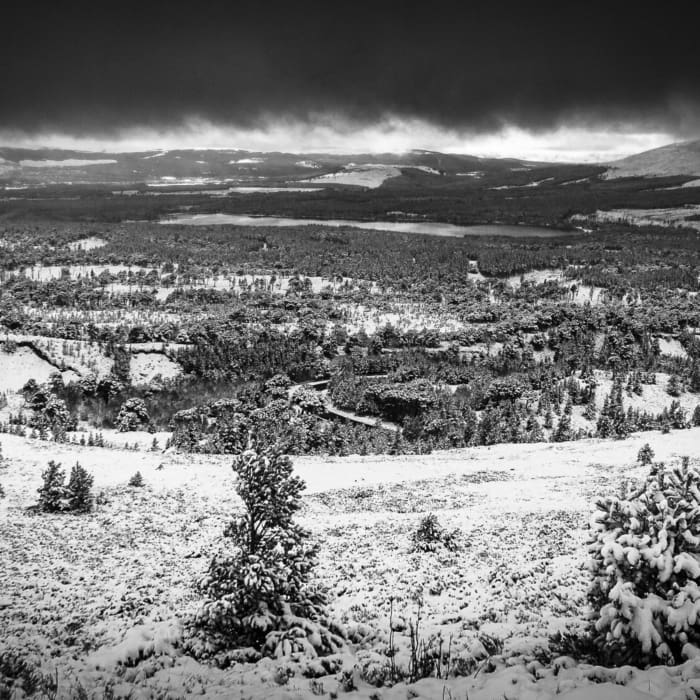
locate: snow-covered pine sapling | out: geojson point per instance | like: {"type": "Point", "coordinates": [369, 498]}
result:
{"type": "Point", "coordinates": [645, 565]}
{"type": "Point", "coordinates": [52, 493]}
{"type": "Point", "coordinates": [431, 536]}
{"type": "Point", "coordinates": [136, 480]}
{"type": "Point", "coordinates": [80, 498]}
{"type": "Point", "coordinates": [258, 591]}
{"type": "Point", "coordinates": [645, 455]}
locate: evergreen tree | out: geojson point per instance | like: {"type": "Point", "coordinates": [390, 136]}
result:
{"type": "Point", "coordinates": [136, 480]}
{"type": "Point", "coordinates": [563, 431]}
{"type": "Point", "coordinates": [674, 388]}
{"type": "Point", "coordinates": [79, 492]}
{"type": "Point", "coordinates": [52, 493]}
{"type": "Point", "coordinates": [645, 455]}
{"type": "Point", "coordinates": [590, 412]}
{"type": "Point", "coordinates": [258, 592]}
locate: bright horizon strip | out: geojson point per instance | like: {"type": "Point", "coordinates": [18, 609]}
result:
{"type": "Point", "coordinates": [576, 144]}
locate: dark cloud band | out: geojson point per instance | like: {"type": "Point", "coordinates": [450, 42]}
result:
{"type": "Point", "coordinates": [99, 67]}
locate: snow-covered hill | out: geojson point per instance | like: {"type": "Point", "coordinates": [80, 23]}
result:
{"type": "Point", "coordinates": [674, 159]}
{"type": "Point", "coordinates": [101, 598]}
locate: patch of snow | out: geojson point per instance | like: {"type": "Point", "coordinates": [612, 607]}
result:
{"type": "Point", "coordinates": [672, 347]}
{"type": "Point", "coordinates": [423, 168]}
{"type": "Point", "coordinates": [253, 190]}
{"type": "Point", "coordinates": [145, 366]}
{"type": "Point", "coordinates": [67, 163]}
{"type": "Point", "coordinates": [89, 243]}
{"type": "Point", "coordinates": [575, 182]}
{"type": "Point", "coordinates": [246, 161]}
{"type": "Point", "coordinates": [370, 176]}
{"type": "Point", "coordinates": [690, 183]}
{"type": "Point", "coordinates": [18, 367]}
{"type": "Point", "coordinates": [671, 216]}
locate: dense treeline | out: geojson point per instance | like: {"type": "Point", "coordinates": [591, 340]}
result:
{"type": "Point", "coordinates": [388, 258]}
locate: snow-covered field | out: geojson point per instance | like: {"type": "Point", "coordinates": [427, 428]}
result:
{"type": "Point", "coordinates": [17, 367]}
{"type": "Point", "coordinates": [674, 216]}
{"type": "Point", "coordinates": [369, 175]}
{"type": "Point", "coordinates": [66, 163]}
{"type": "Point", "coordinates": [89, 243]}
{"type": "Point", "coordinates": [79, 358]}
{"type": "Point", "coordinates": [100, 598]}
{"type": "Point", "coordinates": [144, 366]}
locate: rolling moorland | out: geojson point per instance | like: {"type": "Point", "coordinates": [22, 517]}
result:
{"type": "Point", "coordinates": [458, 406]}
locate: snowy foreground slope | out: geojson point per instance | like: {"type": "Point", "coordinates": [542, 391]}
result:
{"type": "Point", "coordinates": [100, 597]}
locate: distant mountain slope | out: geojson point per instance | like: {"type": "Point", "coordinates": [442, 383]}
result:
{"type": "Point", "coordinates": [190, 167]}
{"type": "Point", "coordinates": [674, 159]}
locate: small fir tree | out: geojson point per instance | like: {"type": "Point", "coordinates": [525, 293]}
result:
{"type": "Point", "coordinates": [136, 480]}
{"type": "Point", "coordinates": [645, 455]}
{"type": "Point", "coordinates": [52, 493]}
{"type": "Point", "coordinates": [80, 498]}
{"type": "Point", "coordinates": [431, 536]}
{"type": "Point", "coordinates": [258, 593]}
{"type": "Point", "coordinates": [563, 431]}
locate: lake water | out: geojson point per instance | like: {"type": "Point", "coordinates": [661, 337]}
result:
{"type": "Point", "coordinates": [425, 227]}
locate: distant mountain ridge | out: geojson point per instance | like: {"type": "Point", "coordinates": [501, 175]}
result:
{"type": "Point", "coordinates": [675, 159]}
{"type": "Point", "coordinates": [53, 166]}
{"type": "Point", "coordinates": [27, 167]}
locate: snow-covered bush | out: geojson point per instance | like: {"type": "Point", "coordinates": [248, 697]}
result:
{"type": "Point", "coordinates": [645, 564]}
{"type": "Point", "coordinates": [278, 386]}
{"type": "Point", "coordinates": [431, 536]}
{"type": "Point", "coordinates": [133, 415]}
{"type": "Point", "coordinates": [21, 677]}
{"type": "Point", "coordinates": [50, 412]}
{"type": "Point", "coordinates": [309, 401]}
{"type": "Point", "coordinates": [258, 592]}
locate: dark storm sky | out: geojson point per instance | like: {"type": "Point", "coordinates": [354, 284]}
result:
{"type": "Point", "coordinates": [95, 68]}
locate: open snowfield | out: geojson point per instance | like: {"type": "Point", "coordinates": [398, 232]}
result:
{"type": "Point", "coordinates": [145, 366]}
{"type": "Point", "coordinates": [66, 163]}
{"type": "Point", "coordinates": [370, 176]}
{"type": "Point", "coordinates": [89, 243]}
{"type": "Point", "coordinates": [673, 216]}
{"type": "Point", "coordinates": [17, 367]}
{"type": "Point", "coordinates": [100, 597]}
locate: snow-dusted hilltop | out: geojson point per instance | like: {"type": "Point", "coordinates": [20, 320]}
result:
{"type": "Point", "coordinates": [674, 159]}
